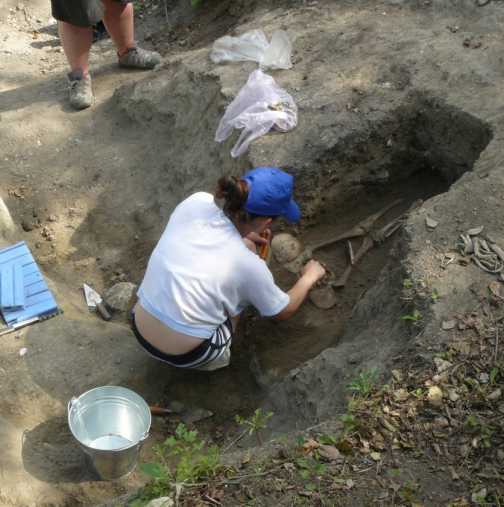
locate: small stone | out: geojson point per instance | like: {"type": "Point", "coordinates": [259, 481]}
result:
{"type": "Point", "coordinates": [27, 225]}
{"type": "Point", "coordinates": [448, 324]}
{"type": "Point", "coordinates": [195, 415]}
{"type": "Point", "coordinates": [431, 223]}
{"type": "Point", "coordinates": [442, 365]}
{"type": "Point", "coordinates": [484, 378]}
{"type": "Point", "coordinates": [376, 456]}
{"type": "Point", "coordinates": [52, 218]}
{"type": "Point", "coordinates": [435, 396]}
{"type": "Point", "coordinates": [164, 501]}
{"type": "Point", "coordinates": [479, 497]}
{"type": "Point", "coordinates": [495, 395]}
{"type": "Point", "coordinates": [464, 450]}
{"type": "Point", "coordinates": [23, 351]}
{"type": "Point", "coordinates": [119, 296]}
{"type": "Point", "coordinates": [441, 378]}
{"type": "Point", "coordinates": [329, 452]}
{"type": "Point", "coordinates": [441, 422]}
{"type": "Point", "coordinates": [177, 407]}
{"type": "Point", "coordinates": [400, 395]}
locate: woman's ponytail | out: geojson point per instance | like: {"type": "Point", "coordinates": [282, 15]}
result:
{"type": "Point", "coordinates": [234, 192]}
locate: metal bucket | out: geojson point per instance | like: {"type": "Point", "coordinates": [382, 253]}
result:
{"type": "Point", "coordinates": [110, 423]}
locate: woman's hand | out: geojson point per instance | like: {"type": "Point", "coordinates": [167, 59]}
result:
{"type": "Point", "coordinates": [313, 271]}
{"type": "Point", "coordinates": [255, 240]}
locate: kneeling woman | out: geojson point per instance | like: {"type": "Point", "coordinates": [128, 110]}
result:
{"type": "Point", "coordinates": [205, 270]}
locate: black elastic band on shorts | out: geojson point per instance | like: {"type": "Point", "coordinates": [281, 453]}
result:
{"type": "Point", "coordinates": [178, 360]}
{"type": "Point", "coordinates": [193, 356]}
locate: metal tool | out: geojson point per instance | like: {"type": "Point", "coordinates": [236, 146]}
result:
{"type": "Point", "coordinates": [95, 302]}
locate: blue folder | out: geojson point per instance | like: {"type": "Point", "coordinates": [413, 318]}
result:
{"type": "Point", "coordinates": [24, 294]}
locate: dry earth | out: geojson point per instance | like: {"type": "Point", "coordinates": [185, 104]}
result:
{"type": "Point", "coordinates": [396, 98]}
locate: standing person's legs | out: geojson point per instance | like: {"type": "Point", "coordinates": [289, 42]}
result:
{"type": "Point", "coordinates": [76, 42]}
{"type": "Point", "coordinates": [75, 20]}
{"type": "Point", "coordinates": [118, 20]}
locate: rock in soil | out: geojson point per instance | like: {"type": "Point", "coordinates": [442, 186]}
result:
{"type": "Point", "coordinates": [120, 296]}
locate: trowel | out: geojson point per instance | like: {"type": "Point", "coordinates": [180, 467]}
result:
{"type": "Point", "coordinates": [95, 302]}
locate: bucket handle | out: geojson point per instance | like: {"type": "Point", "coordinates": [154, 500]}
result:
{"type": "Point", "coordinates": [73, 401]}
{"type": "Point", "coordinates": [144, 437]}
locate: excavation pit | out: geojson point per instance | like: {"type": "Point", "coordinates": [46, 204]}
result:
{"type": "Point", "coordinates": [417, 152]}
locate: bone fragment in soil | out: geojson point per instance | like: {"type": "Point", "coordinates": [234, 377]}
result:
{"type": "Point", "coordinates": [323, 297]}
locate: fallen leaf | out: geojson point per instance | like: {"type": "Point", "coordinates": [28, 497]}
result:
{"type": "Point", "coordinates": [350, 483]}
{"type": "Point", "coordinates": [495, 395]}
{"type": "Point", "coordinates": [310, 445]}
{"type": "Point", "coordinates": [448, 324]}
{"type": "Point", "coordinates": [495, 288]}
{"type": "Point", "coordinates": [400, 395]}
{"type": "Point", "coordinates": [376, 456]}
{"type": "Point", "coordinates": [441, 364]}
{"type": "Point", "coordinates": [435, 396]}
{"type": "Point", "coordinates": [454, 475]}
{"type": "Point", "coordinates": [397, 374]}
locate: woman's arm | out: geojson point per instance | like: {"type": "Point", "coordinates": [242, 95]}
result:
{"type": "Point", "coordinates": [312, 272]}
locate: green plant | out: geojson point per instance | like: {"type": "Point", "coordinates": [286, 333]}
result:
{"type": "Point", "coordinates": [309, 467]}
{"type": "Point", "coordinates": [255, 423]}
{"type": "Point", "coordinates": [494, 373]}
{"type": "Point", "coordinates": [408, 492]}
{"type": "Point", "coordinates": [327, 439]}
{"type": "Point", "coordinates": [416, 316]}
{"type": "Point", "coordinates": [434, 295]}
{"type": "Point", "coordinates": [407, 283]}
{"type": "Point", "coordinates": [482, 431]}
{"type": "Point", "coordinates": [364, 384]}
{"type": "Point", "coordinates": [350, 423]}
{"type": "Point", "coordinates": [181, 458]}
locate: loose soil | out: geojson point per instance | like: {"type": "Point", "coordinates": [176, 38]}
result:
{"type": "Point", "coordinates": [395, 100]}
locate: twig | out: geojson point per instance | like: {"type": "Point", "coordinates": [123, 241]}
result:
{"type": "Point", "coordinates": [236, 479]}
{"type": "Point", "coordinates": [496, 343]}
{"type": "Point", "coordinates": [213, 501]}
{"type": "Point", "coordinates": [237, 439]}
{"type": "Point", "coordinates": [166, 11]}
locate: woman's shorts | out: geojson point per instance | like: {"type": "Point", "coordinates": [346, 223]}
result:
{"type": "Point", "coordinates": [80, 12]}
{"type": "Point", "coordinates": [212, 354]}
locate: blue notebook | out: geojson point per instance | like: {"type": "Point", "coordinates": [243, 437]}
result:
{"type": "Point", "coordinates": [24, 294]}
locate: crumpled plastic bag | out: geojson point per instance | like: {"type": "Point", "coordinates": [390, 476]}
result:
{"type": "Point", "coordinates": [254, 46]}
{"type": "Point", "coordinates": [261, 105]}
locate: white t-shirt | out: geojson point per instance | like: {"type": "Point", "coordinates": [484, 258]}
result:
{"type": "Point", "coordinates": [201, 272]}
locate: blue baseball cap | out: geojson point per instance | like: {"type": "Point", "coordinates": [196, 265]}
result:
{"type": "Point", "coordinates": [270, 194]}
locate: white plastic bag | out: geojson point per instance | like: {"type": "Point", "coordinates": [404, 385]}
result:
{"type": "Point", "coordinates": [259, 106]}
{"type": "Point", "coordinates": [254, 46]}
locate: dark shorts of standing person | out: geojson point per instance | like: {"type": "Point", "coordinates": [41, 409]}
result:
{"type": "Point", "coordinates": [83, 13]}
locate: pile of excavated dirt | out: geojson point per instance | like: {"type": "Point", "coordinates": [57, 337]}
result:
{"type": "Point", "coordinates": [396, 100]}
